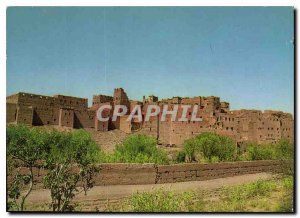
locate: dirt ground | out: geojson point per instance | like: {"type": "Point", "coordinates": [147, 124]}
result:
{"type": "Point", "coordinates": [107, 141]}
{"type": "Point", "coordinates": [99, 196]}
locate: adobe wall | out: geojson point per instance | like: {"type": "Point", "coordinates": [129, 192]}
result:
{"type": "Point", "coordinates": [73, 102]}
{"type": "Point", "coordinates": [125, 126]}
{"type": "Point", "coordinates": [24, 115]}
{"type": "Point", "coordinates": [84, 119]}
{"type": "Point", "coordinates": [12, 99]}
{"type": "Point", "coordinates": [120, 98]}
{"type": "Point", "coordinates": [66, 117]}
{"type": "Point", "coordinates": [11, 112]}
{"type": "Point", "coordinates": [194, 172]}
{"type": "Point", "coordinates": [134, 174]}
{"type": "Point", "coordinates": [101, 125]}
{"type": "Point", "coordinates": [126, 174]}
{"type": "Point", "coordinates": [45, 116]}
{"type": "Point", "coordinates": [99, 99]}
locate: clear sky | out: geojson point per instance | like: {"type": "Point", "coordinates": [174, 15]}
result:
{"type": "Point", "coordinates": [243, 55]}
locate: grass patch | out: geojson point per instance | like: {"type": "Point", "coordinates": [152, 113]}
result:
{"type": "Point", "coordinates": [274, 195]}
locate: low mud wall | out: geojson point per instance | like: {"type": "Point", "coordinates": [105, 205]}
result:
{"type": "Point", "coordinates": [134, 174]}
{"type": "Point", "coordinates": [194, 172]}
{"type": "Point", "coordinates": [126, 174]}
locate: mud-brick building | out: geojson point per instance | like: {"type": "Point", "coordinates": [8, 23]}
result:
{"type": "Point", "coordinates": [241, 125]}
{"type": "Point", "coordinates": [58, 110]}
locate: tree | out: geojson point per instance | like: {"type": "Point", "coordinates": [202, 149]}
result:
{"type": "Point", "coordinates": [25, 147]}
{"type": "Point", "coordinates": [70, 165]}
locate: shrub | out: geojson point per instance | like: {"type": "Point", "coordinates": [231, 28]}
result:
{"type": "Point", "coordinates": [284, 149]}
{"type": "Point", "coordinates": [260, 152]}
{"type": "Point", "coordinates": [189, 147]}
{"type": "Point", "coordinates": [137, 149]}
{"type": "Point", "coordinates": [212, 146]}
{"type": "Point", "coordinates": [180, 157]}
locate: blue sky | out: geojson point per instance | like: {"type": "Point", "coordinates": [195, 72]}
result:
{"type": "Point", "coordinates": [244, 55]}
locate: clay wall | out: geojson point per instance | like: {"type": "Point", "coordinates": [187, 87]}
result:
{"type": "Point", "coordinates": [194, 172]}
{"type": "Point", "coordinates": [84, 118]}
{"type": "Point", "coordinates": [12, 99]}
{"type": "Point", "coordinates": [24, 115]}
{"type": "Point", "coordinates": [45, 116]}
{"type": "Point", "coordinates": [72, 102]}
{"type": "Point", "coordinates": [224, 107]}
{"type": "Point", "coordinates": [66, 117]}
{"type": "Point", "coordinates": [120, 97]}
{"type": "Point", "coordinates": [11, 112]}
{"type": "Point", "coordinates": [134, 174]}
{"type": "Point", "coordinates": [98, 99]}
{"type": "Point", "coordinates": [125, 125]}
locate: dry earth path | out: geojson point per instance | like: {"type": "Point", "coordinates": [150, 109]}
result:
{"type": "Point", "coordinates": [113, 192]}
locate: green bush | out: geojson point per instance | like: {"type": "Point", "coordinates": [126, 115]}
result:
{"type": "Point", "coordinates": [281, 150]}
{"type": "Point", "coordinates": [180, 157]}
{"type": "Point", "coordinates": [77, 147]}
{"type": "Point", "coordinates": [260, 151]}
{"type": "Point", "coordinates": [213, 147]}
{"type": "Point", "coordinates": [136, 149]}
{"type": "Point", "coordinates": [284, 149]}
{"type": "Point", "coordinates": [189, 147]}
